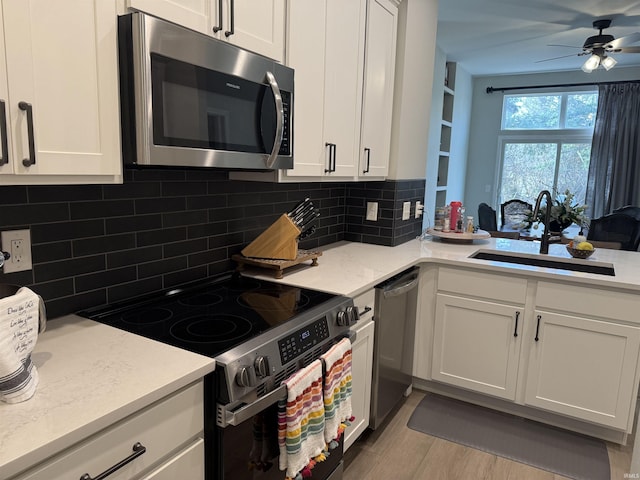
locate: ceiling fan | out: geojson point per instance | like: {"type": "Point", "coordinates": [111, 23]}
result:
{"type": "Point", "coordinates": [599, 46]}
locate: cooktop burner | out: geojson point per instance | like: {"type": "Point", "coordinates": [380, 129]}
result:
{"type": "Point", "coordinates": [213, 317]}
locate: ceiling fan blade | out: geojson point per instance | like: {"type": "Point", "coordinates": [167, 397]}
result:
{"type": "Point", "coordinates": [623, 41]}
{"type": "Point", "coordinates": [569, 46]}
{"type": "Point", "coordinates": [629, 50]}
{"type": "Point", "coordinates": [556, 58]}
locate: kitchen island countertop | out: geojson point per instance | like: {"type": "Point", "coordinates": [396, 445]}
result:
{"type": "Point", "coordinates": [91, 376]}
{"type": "Point", "coordinates": [349, 268]}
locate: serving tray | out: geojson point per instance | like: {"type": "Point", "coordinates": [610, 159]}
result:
{"type": "Point", "coordinates": [464, 237]}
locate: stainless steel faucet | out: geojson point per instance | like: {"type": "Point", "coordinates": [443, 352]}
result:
{"type": "Point", "coordinates": [544, 241]}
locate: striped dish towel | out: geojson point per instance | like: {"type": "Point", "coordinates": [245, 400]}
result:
{"type": "Point", "coordinates": [301, 422]}
{"type": "Point", "coordinates": [337, 390]}
{"type": "Point", "coordinates": [21, 318]}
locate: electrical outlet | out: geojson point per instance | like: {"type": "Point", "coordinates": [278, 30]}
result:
{"type": "Point", "coordinates": [372, 211]}
{"type": "Point", "coordinates": [406, 210]}
{"type": "Point", "coordinates": [18, 244]}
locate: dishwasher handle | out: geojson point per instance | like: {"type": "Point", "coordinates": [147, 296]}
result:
{"type": "Point", "coordinates": [401, 285]}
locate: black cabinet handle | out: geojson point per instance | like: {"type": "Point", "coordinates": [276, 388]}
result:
{"type": "Point", "coordinates": [27, 162]}
{"type": "Point", "coordinates": [538, 329]}
{"type": "Point", "coordinates": [217, 28]}
{"type": "Point", "coordinates": [368, 152]}
{"type": "Point", "coordinates": [515, 330]}
{"type": "Point", "coordinates": [138, 449]}
{"type": "Point", "coordinates": [231, 31]}
{"type": "Point", "coordinates": [332, 157]}
{"type": "Point", "coordinates": [4, 142]}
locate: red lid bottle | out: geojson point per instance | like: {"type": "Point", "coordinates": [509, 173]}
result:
{"type": "Point", "coordinates": [454, 214]}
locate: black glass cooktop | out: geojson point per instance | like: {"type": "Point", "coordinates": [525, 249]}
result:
{"type": "Point", "coordinates": [213, 317]}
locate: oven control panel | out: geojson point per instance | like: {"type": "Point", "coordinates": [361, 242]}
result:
{"type": "Point", "coordinates": [302, 340]}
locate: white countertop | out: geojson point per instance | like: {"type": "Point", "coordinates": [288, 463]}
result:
{"type": "Point", "coordinates": [91, 375]}
{"type": "Point", "coordinates": [349, 268]}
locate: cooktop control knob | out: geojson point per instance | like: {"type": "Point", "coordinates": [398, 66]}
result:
{"type": "Point", "coordinates": [342, 319]}
{"type": "Point", "coordinates": [261, 365]}
{"type": "Point", "coordinates": [352, 315]}
{"type": "Point", "coordinates": [246, 376]}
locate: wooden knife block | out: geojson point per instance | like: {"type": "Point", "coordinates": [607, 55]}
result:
{"type": "Point", "coordinates": [278, 242]}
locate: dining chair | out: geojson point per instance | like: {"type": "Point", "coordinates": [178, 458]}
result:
{"type": "Point", "coordinates": [597, 244]}
{"type": "Point", "coordinates": [616, 227]}
{"type": "Point", "coordinates": [630, 210]}
{"type": "Point", "coordinates": [514, 212]}
{"type": "Point", "coordinates": [487, 218]}
{"type": "Point", "coordinates": [499, 234]}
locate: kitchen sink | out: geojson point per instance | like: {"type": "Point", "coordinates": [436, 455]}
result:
{"type": "Point", "coordinates": [576, 265]}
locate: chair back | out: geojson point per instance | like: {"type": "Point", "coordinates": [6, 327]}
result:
{"type": "Point", "coordinates": [616, 227]}
{"type": "Point", "coordinates": [514, 212]}
{"type": "Point", "coordinates": [630, 210]}
{"type": "Point", "coordinates": [487, 218]}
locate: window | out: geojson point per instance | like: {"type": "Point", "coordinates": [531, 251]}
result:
{"type": "Point", "coordinates": [545, 144]}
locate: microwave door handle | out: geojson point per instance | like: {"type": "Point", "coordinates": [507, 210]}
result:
{"type": "Point", "coordinates": [271, 159]}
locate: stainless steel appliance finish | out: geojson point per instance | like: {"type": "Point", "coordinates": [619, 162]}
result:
{"type": "Point", "coordinates": [394, 314]}
{"type": "Point", "coordinates": [189, 100]}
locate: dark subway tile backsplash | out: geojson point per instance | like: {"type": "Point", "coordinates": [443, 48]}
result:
{"type": "Point", "coordinates": [98, 244]}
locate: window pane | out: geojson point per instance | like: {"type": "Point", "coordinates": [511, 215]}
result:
{"type": "Point", "coordinates": [531, 112]}
{"type": "Point", "coordinates": [527, 169]}
{"type": "Point", "coordinates": [581, 110]}
{"type": "Point", "coordinates": [574, 169]}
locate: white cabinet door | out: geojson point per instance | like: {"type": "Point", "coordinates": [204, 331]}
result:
{"type": "Point", "coordinates": [188, 464]}
{"type": "Point", "coordinates": [475, 345]}
{"type": "Point", "coordinates": [6, 166]}
{"type": "Point", "coordinates": [258, 25]}
{"type": "Point", "coordinates": [380, 59]}
{"type": "Point", "coordinates": [361, 366]}
{"type": "Point", "coordinates": [583, 368]}
{"type": "Point", "coordinates": [70, 84]}
{"type": "Point", "coordinates": [193, 14]}
{"type": "Point", "coordinates": [326, 48]}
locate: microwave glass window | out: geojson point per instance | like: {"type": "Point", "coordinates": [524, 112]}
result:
{"type": "Point", "coordinates": [200, 108]}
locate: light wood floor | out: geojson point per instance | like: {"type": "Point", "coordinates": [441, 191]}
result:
{"type": "Point", "coordinates": [396, 452]}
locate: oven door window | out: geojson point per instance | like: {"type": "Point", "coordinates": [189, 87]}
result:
{"type": "Point", "coordinates": [200, 108]}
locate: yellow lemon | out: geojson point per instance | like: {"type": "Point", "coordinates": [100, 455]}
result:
{"type": "Point", "coordinates": [584, 246]}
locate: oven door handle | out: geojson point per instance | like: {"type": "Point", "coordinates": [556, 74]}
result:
{"type": "Point", "coordinates": [236, 417]}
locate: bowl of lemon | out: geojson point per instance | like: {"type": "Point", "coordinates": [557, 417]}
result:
{"type": "Point", "coordinates": [582, 249]}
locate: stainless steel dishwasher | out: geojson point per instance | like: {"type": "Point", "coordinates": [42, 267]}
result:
{"type": "Point", "coordinates": [394, 316]}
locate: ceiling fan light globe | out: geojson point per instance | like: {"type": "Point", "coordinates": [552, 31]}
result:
{"type": "Point", "coordinates": [608, 62]}
{"type": "Point", "coordinates": [591, 64]}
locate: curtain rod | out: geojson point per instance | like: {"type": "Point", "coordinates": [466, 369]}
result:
{"type": "Point", "coordinates": [504, 89]}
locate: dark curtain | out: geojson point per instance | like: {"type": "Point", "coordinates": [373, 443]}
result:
{"type": "Point", "coordinates": [614, 170]}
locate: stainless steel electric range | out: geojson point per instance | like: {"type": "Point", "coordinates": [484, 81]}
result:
{"type": "Point", "coordinates": [259, 333]}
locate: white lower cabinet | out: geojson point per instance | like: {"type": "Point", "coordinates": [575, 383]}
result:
{"type": "Point", "coordinates": [583, 368]}
{"type": "Point", "coordinates": [477, 345]}
{"type": "Point", "coordinates": [576, 353]}
{"type": "Point", "coordinates": [361, 370]}
{"type": "Point", "coordinates": [170, 430]}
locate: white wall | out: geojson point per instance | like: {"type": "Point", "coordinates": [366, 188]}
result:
{"type": "Point", "coordinates": [486, 111]}
{"type": "Point", "coordinates": [417, 25]}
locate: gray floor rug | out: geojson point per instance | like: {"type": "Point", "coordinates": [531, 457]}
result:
{"type": "Point", "coordinates": [559, 451]}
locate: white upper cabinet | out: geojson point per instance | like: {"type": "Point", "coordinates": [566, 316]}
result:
{"type": "Point", "coordinates": [257, 25]}
{"type": "Point", "coordinates": [326, 49]}
{"type": "Point", "coordinates": [377, 105]}
{"type": "Point", "coordinates": [60, 92]}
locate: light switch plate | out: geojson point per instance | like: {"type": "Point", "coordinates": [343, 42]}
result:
{"type": "Point", "coordinates": [406, 210]}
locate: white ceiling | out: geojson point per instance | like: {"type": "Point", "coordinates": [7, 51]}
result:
{"type": "Point", "coordinates": [493, 37]}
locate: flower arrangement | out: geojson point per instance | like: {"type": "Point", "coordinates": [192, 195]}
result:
{"type": "Point", "coordinates": [564, 212]}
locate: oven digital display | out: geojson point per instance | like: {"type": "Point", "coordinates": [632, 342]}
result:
{"type": "Point", "coordinates": [302, 340]}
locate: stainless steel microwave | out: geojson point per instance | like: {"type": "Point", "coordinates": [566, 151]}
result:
{"type": "Point", "coordinates": [188, 100]}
